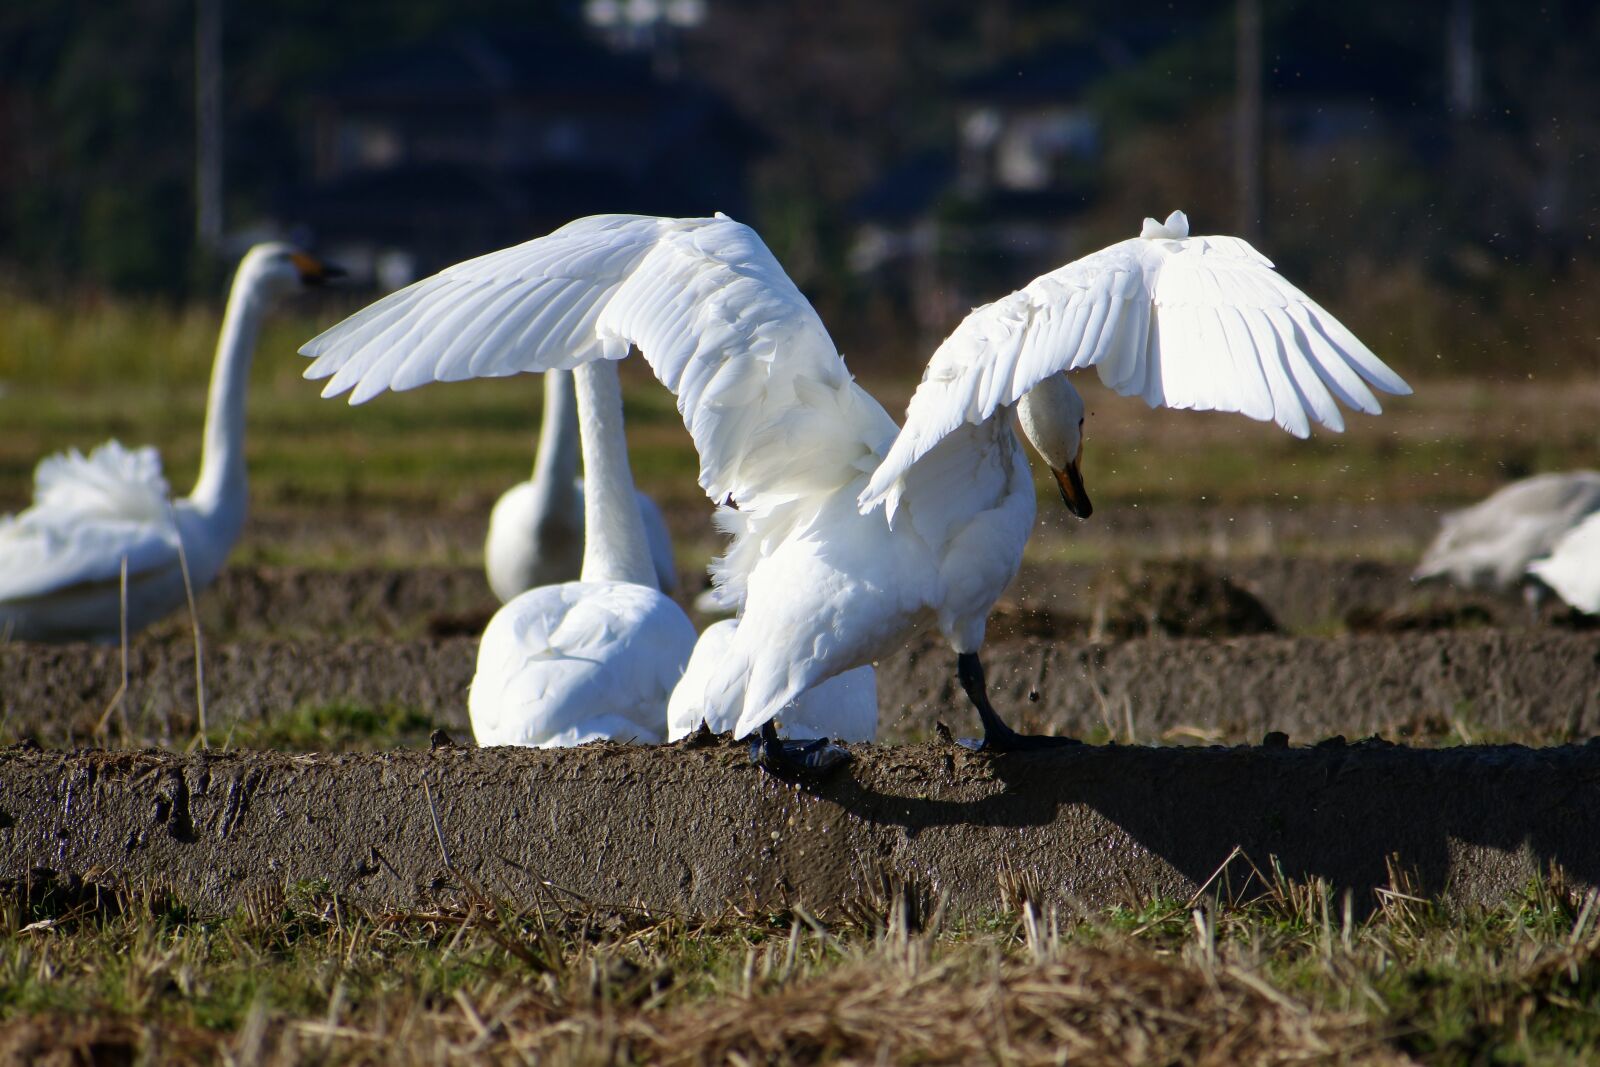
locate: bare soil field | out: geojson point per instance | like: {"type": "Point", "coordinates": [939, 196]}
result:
{"type": "Point", "coordinates": [1441, 687]}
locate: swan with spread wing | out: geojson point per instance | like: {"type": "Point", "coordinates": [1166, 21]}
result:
{"type": "Point", "coordinates": [850, 533]}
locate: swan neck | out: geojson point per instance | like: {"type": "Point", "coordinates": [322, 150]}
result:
{"type": "Point", "coordinates": [614, 546]}
{"type": "Point", "coordinates": [555, 467]}
{"type": "Point", "coordinates": [220, 488]}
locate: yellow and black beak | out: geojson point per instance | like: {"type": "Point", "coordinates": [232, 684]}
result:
{"type": "Point", "coordinates": [1073, 494]}
{"type": "Point", "coordinates": [314, 271]}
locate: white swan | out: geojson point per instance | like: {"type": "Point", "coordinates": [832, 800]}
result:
{"type": "Point", "coordinates": [844, 707]}
{"type": "Point", "coordinates": [850, 534]}
{"type": "Point", "coordinates": [536, 528]}
{"type": "Point", "coordinates": [597, 658]}
{"type": "Point", "coordinates": [1573, 567]}
{"type": "Point", "coordinates": [61, 559]}
{"type": "Point", "coordinates": [1490, 544]}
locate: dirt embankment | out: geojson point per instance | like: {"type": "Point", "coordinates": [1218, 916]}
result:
{"type": "Point", "coordinates": [1536, 685]}
{"type": "Point", "coordinates": [691, 829]}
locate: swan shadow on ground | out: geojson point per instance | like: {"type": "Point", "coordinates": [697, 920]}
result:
{"type": "Point", "coordinates": [1340, 812]}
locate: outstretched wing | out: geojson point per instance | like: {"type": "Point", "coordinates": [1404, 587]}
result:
{"type": "Point", "coordinates": [1184, 322]}
{"type": "Point", "coordinates": [773, 412]}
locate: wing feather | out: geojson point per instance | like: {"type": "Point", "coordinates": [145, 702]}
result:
{"type": "Point", "coordinates": [760, 385]}
{"type": "Point", "coordinates": [1202, 322]}
{"type": "Point", "coordinates": [43, 553]}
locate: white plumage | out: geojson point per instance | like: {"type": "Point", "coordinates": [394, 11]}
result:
{"type": "Point", "coordinates": [565, 664]}
{"type": "Point", "coordinates": [536, 527]}
{"type": "Point", "coordinates": [596, 658]}
{"type": "Point", "coordinates": [61, 559]}
{"type": "Point", "coordinates": [828, 580]}
{"type": "Point", "coordinates": [844, 707]}
{"type": "Point", "coordinates": [1573, 567]}
{"type": "Point", "coordinates": [1182, 322]}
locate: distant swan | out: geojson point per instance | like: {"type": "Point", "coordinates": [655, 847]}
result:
{"type": "Point", "coordinates": [61, 559]}
{"type": "Point", "coordinates": [1490, 544]}
{"type": "Point", "coordinates": [536, 527]}
{"type": "Point", "coordinates": [850, 534]}
{"type": "Point", "coordinates": [596, 658]}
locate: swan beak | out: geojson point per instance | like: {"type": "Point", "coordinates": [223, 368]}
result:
{"type": "Point", "coordinates": [314, 271]}
{"type": "Point", "coordinates": [1073, 494]}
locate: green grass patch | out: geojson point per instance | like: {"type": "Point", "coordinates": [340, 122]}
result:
{"type": "Point", "coordinates": [337, 727]}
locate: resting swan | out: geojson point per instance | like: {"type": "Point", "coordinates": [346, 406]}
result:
{"type": "Point", "coordinates": [850, 533]}
{"type": "Point", "coordinates": [596, 658]}
{"type": "Point", "coordinates": [61, 559]}
{"type": "Point", "coordinates": [536, 528]}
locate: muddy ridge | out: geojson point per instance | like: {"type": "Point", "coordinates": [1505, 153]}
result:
{"type": "Point", "coordinates": [690, 829]}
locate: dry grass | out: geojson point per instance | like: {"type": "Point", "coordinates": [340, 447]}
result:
{"type": "Point", "coordinates": [1298, 975]}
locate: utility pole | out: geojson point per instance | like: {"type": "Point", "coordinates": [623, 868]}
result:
{"type": "Point", "coordinates": [1247, 121]}
{"type": "Point", "coordinates": [208, 124]}
{"type": "Point", "coordinates": [1463, 60]}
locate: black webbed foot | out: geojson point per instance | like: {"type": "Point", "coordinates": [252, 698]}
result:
{"type": "Point", "coordinates": [997, 736]}
{"type": "Point", "coordinates": [810, 758]}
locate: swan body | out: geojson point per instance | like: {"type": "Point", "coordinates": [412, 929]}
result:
{"type": "Point", "coordinates": [844, 707]}
{"type": "Point", "coordinates": [850, 533]}
{"type": "Point", "coordinates": [1490, 544]}
{"type": "Point", "coordinates": [597, 658]}
{"type": "Point", "coordinates": [61, 559]}
{"type": "Point", "coordinates": [536, 528]}
{"type": "Point", "coordinates": [1573, 567]}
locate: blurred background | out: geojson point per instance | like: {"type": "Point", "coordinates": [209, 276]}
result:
{"type": "Point", "coordinates": [1426, 169]}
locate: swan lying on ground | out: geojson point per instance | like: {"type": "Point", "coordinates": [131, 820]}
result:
{"type": "Point", "coordinates": [596, 658]}
{"type": "Point", "coordinates": [536, 528]}
{"type": "Point", "coordinates": [844, 707]}
{"type": "Point", "coordinates": [1573, 567]}
{"type": "Point", "coordinates": [61, 559]}
{"type": "Point", "coordinates": [850, 533]}
{"type": "Point", "coordinates": [1490, 544]}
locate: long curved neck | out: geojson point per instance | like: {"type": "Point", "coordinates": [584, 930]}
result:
{"type": "Point", "coordinates": [614, 547]}
{"type": "Point", "coordinates": [220, 488]}
{"type": "Point", "coordinates": [555, 468]}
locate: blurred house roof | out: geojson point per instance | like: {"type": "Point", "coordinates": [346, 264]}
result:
{"type": "Point", "coordinates": [482, 138]}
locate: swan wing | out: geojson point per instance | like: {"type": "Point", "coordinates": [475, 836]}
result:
{"type": "Point", "coordinates": [112, 482]}
{"type": "Point", "coordinates": [88, 514]}
{"type": "Point", "coordinates": [38, 558]}
{"type": "Point", "coordinates": [773, 412]}
{"type": "Point", "coordinates": [1184, 322]}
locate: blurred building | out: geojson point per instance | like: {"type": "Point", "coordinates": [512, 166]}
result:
{"type": "Point", "coordinates": [434, 153]}
{"type": "Point", "coordinates": [1006, 198]}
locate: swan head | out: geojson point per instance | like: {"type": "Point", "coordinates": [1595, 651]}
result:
{"type": "Point", "coordinates": [1051, 414]}
{"type": "Point", "coordinates": [278, 268]}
